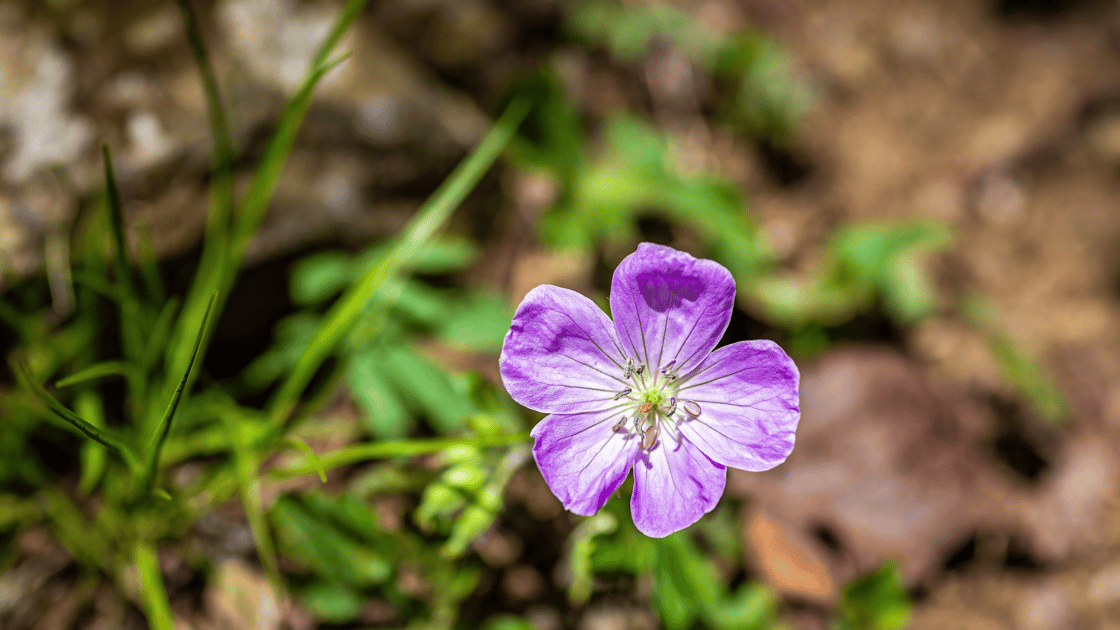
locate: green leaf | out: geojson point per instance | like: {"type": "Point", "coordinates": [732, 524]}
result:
{"type": "Point", "coordinates": [319, 276]}
{"type": "Point", "coordinates": [472, 523]}
{"type": "Point", "coordinates": [326, 549]}
{"type": "Point", "coordinates": [437, 504]}
{"type": "Point", "coordinates": [479, 323]}
{"type": "Point", "coordinates": [582, 543]}
{"type": "Point", "coordinates": [685, 583]}
{"type": "Point", "coordinates": [332, 602]}
{"type": "Point", "coordinates": [752, 607]}
{"type": "Point", "coordinates": [876, 602]}
{"type": "Point", "coordinates": [93, 454]}
{"type": "Point", "coordinates": [157, 608]}
{"type": "Point", "coordinates": [94, 372]}
{"type": "Point", "coordinates": [384, 415]}
{"type": "Point", "coordinates": [443, 406]}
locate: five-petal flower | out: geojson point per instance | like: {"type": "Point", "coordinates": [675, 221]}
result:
{"type": "Point", "coordinates": [647, 392]}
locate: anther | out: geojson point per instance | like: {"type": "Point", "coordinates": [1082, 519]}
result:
{"type": "Point", "coordinates": [692, 408]}
{"type": "Point", "coordinates": [621, 424]}
{"type": "Point", "coordinates": [672, 406]}
{"type": "Point", "coordinates": [629, 371]}
{"type": "Point", "coordinates": [624, 393]}
{"type": "Point", "coordinates": [645, 407]}
{"type": "Point", "coordinates": [668, 367]}
{"type": "Point", "coordinates": [650, 437]}
{"type": "Point", "coordinates": [639, 370]}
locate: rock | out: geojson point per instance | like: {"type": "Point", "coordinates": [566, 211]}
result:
{"type": "Point", "coordinates": [36, 88]}
{"type": "Point", "coordinates": [238, 597]}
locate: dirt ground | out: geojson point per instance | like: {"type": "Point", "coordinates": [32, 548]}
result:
{"type": "Point", "coordinates": [998, 118]}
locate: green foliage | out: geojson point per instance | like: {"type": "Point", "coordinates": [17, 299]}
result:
{"type": "Point", "coordinates": [861, 263]}
{"type": "Point", "coordinates": [875, 602]}
{"type": "Point", "coordinates": [375, 313]}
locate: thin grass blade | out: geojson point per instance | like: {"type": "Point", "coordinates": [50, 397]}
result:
{"type": "Point", "coordinates": [345, 20]}
{"type": "Point", "coordinates": [312, 456]}
{"type": "Point", "coordinates": [23, 374]}
{"type": "Point", "coordinates": [220, 279]}
{"type": "Point", "coordinates": [419, 231]}
{"type": "Point", "coordinates": [131, 326]}
{"type": "Point", "coordinates": [94, 372]}
{"type": "Point", "coordinates": [165, 423]}
{"type": "Point", "coordinates": [249, 486]}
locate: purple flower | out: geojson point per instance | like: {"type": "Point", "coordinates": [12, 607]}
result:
{"type": "Point", "coordinates": [647, 392]}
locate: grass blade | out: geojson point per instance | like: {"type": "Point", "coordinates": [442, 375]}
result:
{"type": "Point", "coordinates": [345, 20]}
{"type": "Point", "coordinates": [23, 374]}
{"type": "Point", "coordinates": [264, 181]}
{"type": "Point", "coordinates": [116, 222]}
{"type": "Point", "coordinates": [94, 372]}
{"type": "Point", "coordinates": [312, 456]}
{"type": "Point", "coordinates": [157, 608]}
{"type": "Point", "coordinates": [247, 469]}
{"type": "Point", "coordinates": [131, 329]}
{"type": "Point", "coordinates": [165, 423]}
{"type": "Point", "coordinates": [220, 279]}
{"type": "Point", "coordinates": [93, 454]}
{"type": "Point", "coordinates": [428, 220]}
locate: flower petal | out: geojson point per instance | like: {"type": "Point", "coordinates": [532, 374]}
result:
{"type": "Point", "coordinates": [747, 393]}
{"type": "Point", "coordinates": [561, 354]}
{"type": "Point", "coordinates": [669, 306]}
{"type": "Point", "coordinates": [583, 458]}
{"type": "Point", "coordinates": [674, 486]}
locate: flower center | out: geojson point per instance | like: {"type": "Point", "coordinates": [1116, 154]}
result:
{"type": "Point", "coordinates": [649, 403]}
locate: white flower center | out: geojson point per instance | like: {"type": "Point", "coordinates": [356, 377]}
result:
{"type": "Point", "coordinates": [650, 403]}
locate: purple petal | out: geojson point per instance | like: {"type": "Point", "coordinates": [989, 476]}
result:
{"type": "Point", "coordinates": [561, 354]}
{"type": "Point", "coordinates": [583, 459]}
{"type": "Point", "coordinates": [747, 392]}
{"type": "Point", "coordinates": [669, 306]}
{"type": "Point", "coordinates": [674, 485]}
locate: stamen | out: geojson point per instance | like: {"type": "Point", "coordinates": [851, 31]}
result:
{"type": "Point", "coordinates": [623, 393]}
{"type": "Point", "coordinates": [621, 424]}
{"type": "Point", "coordinates": [650, 437]}
{"type": "Point", "coordinates": [672, 406]}
{"type": "Point", "coordinates": [639, 370]}
{"type": "Point", "coordinates": [668, 366]}
{"type": "Point", "coordinates": [629, 371]}
{"type": "Point", "coordinates": [692, 408]}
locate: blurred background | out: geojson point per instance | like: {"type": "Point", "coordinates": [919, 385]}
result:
{"type": "Point", "coordinates": [918, 201]}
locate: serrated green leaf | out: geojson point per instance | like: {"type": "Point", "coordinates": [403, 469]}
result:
{"type": "Point", "coordinates": [382, 412]}
{"type": "Point", "coordinates": [429, 386]}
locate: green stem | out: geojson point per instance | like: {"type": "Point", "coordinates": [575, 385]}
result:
{"type": "Point", "coordinates": [382, 450]}
{"type": "Point", "coordinates": [428, 220]}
